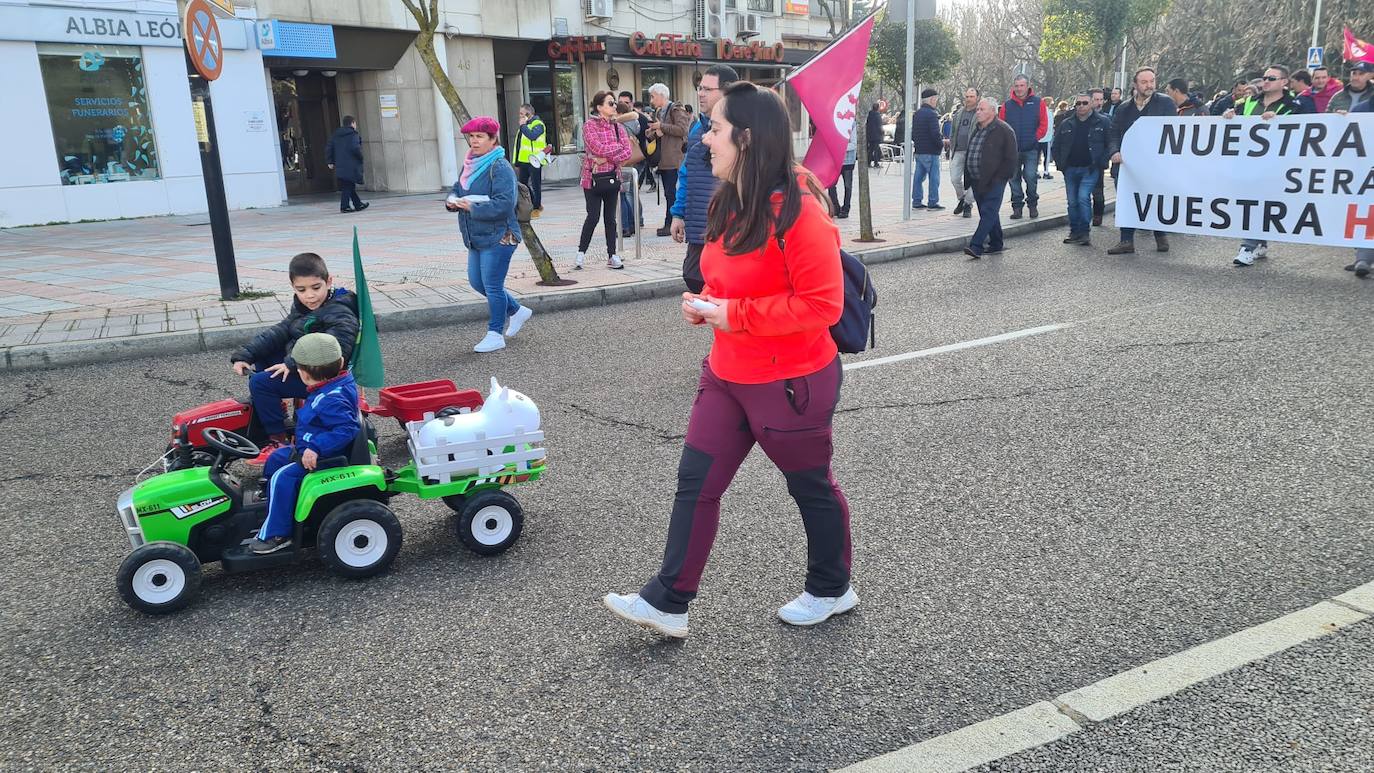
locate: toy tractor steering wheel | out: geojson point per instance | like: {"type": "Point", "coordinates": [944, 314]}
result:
{"type": "Point", "coordinates": [231, 444]}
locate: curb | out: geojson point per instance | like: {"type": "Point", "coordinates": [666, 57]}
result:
{"type": "Point", "coordinates": [65, 354]}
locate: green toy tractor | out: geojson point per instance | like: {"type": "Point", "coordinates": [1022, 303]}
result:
{"type": "Point", "coordinates": [194, 515]}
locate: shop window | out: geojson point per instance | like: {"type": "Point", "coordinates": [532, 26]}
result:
{"type": "Point", "coordinates": [98, 103]}
{"type": "Point", "coordinates": [648, 76]}
{"type": "Point", "coordinates": [555, 92]}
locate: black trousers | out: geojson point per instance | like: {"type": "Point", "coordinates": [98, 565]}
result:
{"type": "Point", "coordinates": [669, 178]}
{"type": "Point", "coordinates": [348, 195]}
{"type": "Point", "coordinates": [846, 174]}
{"type": "Point", "coordinates": [533, 177]}
{"type": "Point", "coordinates": [1099, 198]}
{"type": "Point", "coordinates": [875, 153]}
{"type": "Point", "coordinates": [606, 203]}
{"type": "Point", "coordinates": [691, 268]}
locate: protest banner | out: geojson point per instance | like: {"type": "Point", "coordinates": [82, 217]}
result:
{"type": "Point", "coordinates": [1294, 178]}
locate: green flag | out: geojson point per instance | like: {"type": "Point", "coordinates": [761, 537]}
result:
{"type": "Point", "coordinates": [367, 355]}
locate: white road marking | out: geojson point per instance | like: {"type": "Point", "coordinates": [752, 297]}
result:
{"type": "Point", "coordinates": [1033, 726]}
{"type": "Point", "coordinates": [997, 339]}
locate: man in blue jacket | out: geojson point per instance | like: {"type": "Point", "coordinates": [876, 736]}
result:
{"type": "Point", "coordinates": [695, 183]}
{"type": "Point", "coordinates": [1080, 152]}
{"type": "Point", "coordinates": [344, 154]}
{"type": "Point", "coordinates": [926, 144]}
{"type": "Point", "coordinates": [1028, 118]}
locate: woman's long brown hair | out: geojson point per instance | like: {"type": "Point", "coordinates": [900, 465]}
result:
{"type": "Point", "coordinates": [741, 211]}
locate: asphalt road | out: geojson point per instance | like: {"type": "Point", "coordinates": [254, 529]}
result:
{"type": "Point", "coordinates": [1190, 458]}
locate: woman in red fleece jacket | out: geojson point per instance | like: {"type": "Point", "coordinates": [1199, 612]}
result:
{"type": "Point", "coordinates": [772, 270]}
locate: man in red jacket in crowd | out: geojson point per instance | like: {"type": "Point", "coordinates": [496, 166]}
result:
{"type": "Point", "coordinates": [1323, 88]}
{"type": "Point", "coordinates": [1028, 118]}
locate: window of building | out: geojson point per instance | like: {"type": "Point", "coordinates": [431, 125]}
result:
{"type": "Point", "coordinates": [648, 76]}
{"type": "Point", "coordinates": [759, 6]}
{"type": "Point", "coordinates": [98, 103]}
{"type": "Point", "coordinates": [555, 92]}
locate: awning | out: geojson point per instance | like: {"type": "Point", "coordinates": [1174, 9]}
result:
{"type": "Point", "coordinates": [356, 49]}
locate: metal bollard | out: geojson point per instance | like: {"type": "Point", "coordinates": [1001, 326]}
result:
{"type": "Point", "coordinates": [634, 213]}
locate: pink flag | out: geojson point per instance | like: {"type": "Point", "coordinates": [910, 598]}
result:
{"type": "Point", "coordinates": [828, 85]}
{"type": "Point", "coordinates": [1357, 50]}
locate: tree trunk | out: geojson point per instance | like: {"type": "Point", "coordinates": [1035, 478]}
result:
{"type": "Point", "coordinates": [548, 275]}
{"type": "Point", "coordinates": [861, 164]}
{"type": "Point", "coordinates": [424, 45]}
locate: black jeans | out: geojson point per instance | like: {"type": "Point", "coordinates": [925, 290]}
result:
{"type": "Point", "coordinates": [532, 177]}
{"type": "Point", "coordinates": [846, 174]}
{"type": "Point", "coordinates": [607, 204]}
{"type": "Point", "coordinates": [669, 179]}
{"type": "Point", "coordinates": [691, 268]}
{"type": "Point", "coordinates": [348, 195]}
{"type": "Point", "coordinates": [1099, 198]}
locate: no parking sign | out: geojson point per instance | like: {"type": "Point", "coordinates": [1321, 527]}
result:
{"type": "Point", "coordinates": [203, 40]}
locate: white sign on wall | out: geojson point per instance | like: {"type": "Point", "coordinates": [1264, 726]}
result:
{"type": "Point", "coordinates": [89, 25]}
{"type": "Point", "coordinates": [255, 120]}
{"type": "Point", "coordinates": [389, 108]}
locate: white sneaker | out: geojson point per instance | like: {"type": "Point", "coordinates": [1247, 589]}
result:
{"type": "Point", "coordinates": [810, 610]}
{"type": "Point", "coordinates": [1244, 258]}
{"type": "Point", "coordinates": [614, 262]}
{"type": "Point", "coordinates": [579, 260]}
{"type": "Point", "coordinates": [1262, 251]}
{"type": "Point", "coordinates": [490, 342]}
{"type": "Point", "coordinates": [518, 320]}
{"type": "Point", "coordinates": [640, 612]}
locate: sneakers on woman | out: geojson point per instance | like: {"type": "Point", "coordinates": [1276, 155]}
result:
{"type": "Point", "coordinates": [810, 610]}
{"type": "Point", "coordinates": [631, 607]}
{"type": "Point", "coordinates": [614, 262]}
{"type": "Point", "coordinates": [490, 342]}
{"type": "Point", "coordinates": [518, 320]}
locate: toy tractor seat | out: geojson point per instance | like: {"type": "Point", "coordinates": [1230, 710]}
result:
{"type": "Point", "coordinates": [358, 452]}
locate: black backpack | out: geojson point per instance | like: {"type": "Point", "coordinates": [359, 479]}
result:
{"type": "Point", "coordinates": [857, 329]}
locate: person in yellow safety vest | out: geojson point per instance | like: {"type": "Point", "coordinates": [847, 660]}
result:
{"type": "Point", "coordinates": [1274, 99]}
{"type": "Point", "coordinates": [531, 154]}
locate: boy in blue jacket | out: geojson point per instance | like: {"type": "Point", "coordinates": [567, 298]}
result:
{"type": "Point", "coordinates": [325, 426]}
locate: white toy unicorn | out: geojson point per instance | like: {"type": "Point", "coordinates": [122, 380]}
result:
{"type": "Point", "coordinates": [504, 413]}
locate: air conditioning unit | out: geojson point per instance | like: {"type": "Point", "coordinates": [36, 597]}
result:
{"type": "Point", "coordinates": [603, 9]}
{"type": "Point", "coordinates": [710, 19]}
{"type": "Point", "coordinates": [748, 24]}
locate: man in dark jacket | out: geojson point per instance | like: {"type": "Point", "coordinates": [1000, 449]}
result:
{"type": "Point", "coordinates": [926, 144]}
{"type": "Point", "coordinates": [1364, 256]}
{"type": "Point", "coordinates": [1186, 104]}
{"type": "Point", "coordinates": [1147, 102]}
{"type": "Point", "coordinates": [1239, 90]}
{"type": "Point", "coordinates": [873, 131]}
{"type": "Point", "coordinates": [1099, 99]}
{"type": "Point", "coordinates": [695, 183]}
{"type": "Point", "coordinates": [1358, 91]}
{"type": "Point", "coordinates": [1026, 116]}
{"type": "Point", "coordinates": [344, 154]}
{"type": "Point", "coordinates": [992, 160]}
{"type": "Point", "coordinates": [1274, 99]}
{"type": "Point", "coordinates": [1080, 152]}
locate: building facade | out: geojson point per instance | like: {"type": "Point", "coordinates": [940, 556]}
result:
{"type": "Point", "coordinates": [109, 130]}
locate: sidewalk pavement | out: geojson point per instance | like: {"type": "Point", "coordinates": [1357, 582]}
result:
{"type": "Point", "coordinates": [90, 292]}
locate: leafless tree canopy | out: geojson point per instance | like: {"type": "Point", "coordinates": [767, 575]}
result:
{"type": "Point", "coordinates": [1209, 42]}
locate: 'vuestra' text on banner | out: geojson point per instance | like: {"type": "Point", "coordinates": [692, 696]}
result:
{"type": "Point", "coordinates": [1299, 178]}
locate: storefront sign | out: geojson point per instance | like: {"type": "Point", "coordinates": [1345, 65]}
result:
{"type": "Point", "coordinates": [751, 52]}
{"type": "Point", "coordinates": [575, 49]}
{"type": "Point", "coordinates": [671, 45]}
{"type": "Point", "coordinates": [296, 40]}
{"type": "Point", "coordinates": [677, 46]}
{"type": "Point", "coordinates": [796, 6]}
{"type": "Point", "coordinates": [69, 25]}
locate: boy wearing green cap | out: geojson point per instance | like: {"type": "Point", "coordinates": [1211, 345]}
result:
{"type": "Point", "coordinates": [325, 426]}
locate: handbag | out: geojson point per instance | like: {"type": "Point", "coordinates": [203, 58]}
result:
{"type": "Point", "coordinates": [604, 183]}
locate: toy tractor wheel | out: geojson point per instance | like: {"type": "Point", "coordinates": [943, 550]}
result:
{"type": "Point", "coordinates": [359, 538]}
{"type": "Point", "coordinates": [490, 522]}
{"type": "Point", "coordinates": [159, 577]}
